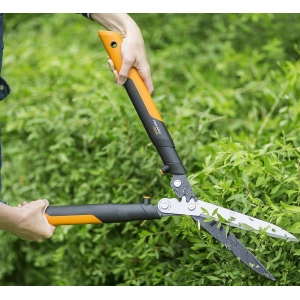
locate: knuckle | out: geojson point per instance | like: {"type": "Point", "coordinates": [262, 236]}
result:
{"type": "Point", "coordinates": [128, 60]}
{"type": "Point", "coordinates": [122, 76]}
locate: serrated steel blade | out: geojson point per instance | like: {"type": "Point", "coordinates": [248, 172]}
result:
{"type": "Point", "coordinates": [234, 246]}
{"type": "Point", "coordinates": [206, 210]}
{"type": "Point", "coordinates": [193, 206]}
{"type": "Point", "coordinates": [242, 221]}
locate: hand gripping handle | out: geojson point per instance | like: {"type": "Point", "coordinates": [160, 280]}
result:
{"type": "Point", "coordinates": [145, 107]}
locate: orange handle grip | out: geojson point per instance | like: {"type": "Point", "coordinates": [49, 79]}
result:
{"type": "Point", "coordinates": [112, 42]}
{"type": "Point", "coordinates": [72, 220]}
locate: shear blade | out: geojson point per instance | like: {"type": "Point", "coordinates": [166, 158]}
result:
{"type": "Point", "coordinates": [234, 246]}
{"type": "Point", "coordinates": [245, 222]}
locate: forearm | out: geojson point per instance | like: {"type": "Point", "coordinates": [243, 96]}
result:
{"type": "Point", "coordinates": [120, 23]}
{"type": "Point", "coordinates": [9, 216]}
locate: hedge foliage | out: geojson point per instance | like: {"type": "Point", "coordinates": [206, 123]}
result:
{"type": "Point", "coordinates": [227, 87]}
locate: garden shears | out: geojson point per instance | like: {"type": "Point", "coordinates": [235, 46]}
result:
{"type": "Point", "coordinates": [210, 217]}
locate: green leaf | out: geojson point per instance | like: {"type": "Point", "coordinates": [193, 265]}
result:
{"type": "Point", "coordinates": [245, 178]}
{"type": "Point", "coordinates": [296, 252]}
{"type": "Point", "coordinates": [221, 218]}
{"type": "Point", "coordinates": [290, 207]}
{"type": "Point", "coordinates": [276, 188]}
{"type": "Point", "coordinates": [260, 180]}
{"type": "Point", "coordinates": [207, 220]}
{"type": "Point", "coordinates": [213, 278]}
{"type": "Point", "coordinates": [295, 228]}
{"type": "Point", "coordinates": [267, 164]}
{"type": "Point", "coordinates": [227, 229]}
{"type": "Point", "coordinates": [269, 200]}
{"type": "Point", "coordinates": [291, 192]}
{"type": "Point", "coordinates": [215, 212]}
{"type": "Point", "coordinates": [205, 211]}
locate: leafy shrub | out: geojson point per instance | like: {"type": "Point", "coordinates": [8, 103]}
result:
{"type": "Point", "coordinates": [227, 88]}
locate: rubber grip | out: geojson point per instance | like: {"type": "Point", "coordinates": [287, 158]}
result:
{"type": "Point", "coordinates": [99, 213]}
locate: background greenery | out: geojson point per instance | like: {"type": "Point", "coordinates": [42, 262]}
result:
{"type": "Point", "coordinates": [227, 87]}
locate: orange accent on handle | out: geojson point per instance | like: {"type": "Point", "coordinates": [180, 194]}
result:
{"type": "Point", "coordinates": [72, 220]}
{"type": "Point", "coordinates": [112, 42]}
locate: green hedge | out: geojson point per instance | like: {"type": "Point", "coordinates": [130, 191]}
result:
{"type": "Point", "coordinates": [227, 87]}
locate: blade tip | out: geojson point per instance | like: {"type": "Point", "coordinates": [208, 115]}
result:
{"type": "Point", "coordinates": [268, 275]}
{"type": "Point", "coordinates": [292, 238]}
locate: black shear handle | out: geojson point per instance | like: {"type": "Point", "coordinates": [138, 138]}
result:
{"type": "Point", "coordinates": [145, 107]}
{"type": "Point", "coordinates": [99, 213]}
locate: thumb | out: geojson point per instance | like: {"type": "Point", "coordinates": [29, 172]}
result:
{"type": "Point", "coordinates": [44, 206]}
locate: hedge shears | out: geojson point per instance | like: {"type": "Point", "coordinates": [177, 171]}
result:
{"type": "Point", "coordinates": [210, 217]}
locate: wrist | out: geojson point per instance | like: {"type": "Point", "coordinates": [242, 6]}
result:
{"type": "Point", "coordinates": [121, 23]}
{"type": "Point", "coordinates": [9, 217]}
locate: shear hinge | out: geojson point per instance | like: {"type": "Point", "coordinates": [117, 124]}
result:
{"type": "Point", "coordinates": [173, 206]}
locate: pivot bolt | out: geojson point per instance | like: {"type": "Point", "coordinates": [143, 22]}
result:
{"type": "Point", "coordinates": [192, 206]}
{"type": "Point", "coordinates": [164, 205]}
{"type": "Point", "coordinates": [177, 183]}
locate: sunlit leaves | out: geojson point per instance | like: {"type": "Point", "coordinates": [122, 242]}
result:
{"type": "Point", "coordinates": [227, 87]}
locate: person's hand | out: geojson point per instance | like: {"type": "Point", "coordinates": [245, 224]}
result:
{"type": "Point", "coordinates": [133, 56]}
{"type": "Point", "coordinates": [30, 222]}
{"type": "Point", "coordinates": [133, 48]}
{"type": "Point", "coordinates": [121, 77]}
{"type": "Point", "coordinates": [22, 204]}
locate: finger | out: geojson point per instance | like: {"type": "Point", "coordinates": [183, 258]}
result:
{"type": "Point", "coordinates": [112, 69]}
{"type": "Point", "coordinates": [146, 77]}
{"type": "Point", "coordinates": [149, 85]}
{"type": "Point", "coordinates": [51, 227]}
{"type": "Point", "coordinates": [22, 204]}
{"type": "Point", "coordinates": [124, 72]}
{"type": "Point", "coordinates": [44, 204]}
{"type": "Point", "coordinates": [116, 76]}
{"type": "Point", "coordinates": [111, 65]}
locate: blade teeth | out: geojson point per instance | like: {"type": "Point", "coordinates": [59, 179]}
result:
{"type": "Point", "coordinates": [269, 228]}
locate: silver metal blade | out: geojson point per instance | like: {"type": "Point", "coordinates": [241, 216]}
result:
{"type": "Point", "coordinates": [243, 221]}
{"type": "Point", "coordinates": [207, 210]}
